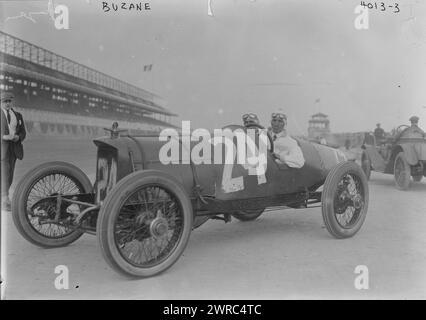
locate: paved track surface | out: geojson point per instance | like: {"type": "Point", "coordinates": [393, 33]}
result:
{"type": "Point", "coordinates": [285, 254]}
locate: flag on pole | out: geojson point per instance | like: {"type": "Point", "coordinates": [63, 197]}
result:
{"type": "Point", "coordinates": [209, 8]}
{"type": "Point", "coordinates": [51, 9]}
{"type": "Point", "coordinates": [147, 67]}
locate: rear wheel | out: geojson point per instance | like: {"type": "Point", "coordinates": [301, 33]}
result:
{"type": "Point", "coordinates": [402, 172]}
{"type": "Point", "coordinates": [417, 178]}
{"type": "Point", "coordinates": [248, 215]}
{"type": "Point", "coordinates": [366, 165]}
{"type": "Point", "coordinates": [34, 205]}
{"type": "Point", "coordinates": [345, 200]}
{"type": "Point", "coordinates": [145, 223]}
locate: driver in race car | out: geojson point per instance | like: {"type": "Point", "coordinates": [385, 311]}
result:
{"type": "Point", "coordinates": [286, 149]}
{"type": "Point", "coordinates": [249, 119]}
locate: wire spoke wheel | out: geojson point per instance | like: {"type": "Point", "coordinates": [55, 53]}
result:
{"type": "Point", "coordinates": [417, 178]}
{"type": "Point", "coordinates": [36, 212]}
{"type": "Point", "coordinates": [41, 205]}
{"type": "Point", "coordinates": [144, 224]}
{"type": "Point", "coordinates": [402, 172]}
{"type": "Point", "coordinates": [345, 200]}
{"type": "Point", "coordinates": [149, 226]}
{"type": "Point", "coordinates": [348, 201]}
{"type": "Point", "coordinates": [366, 165]}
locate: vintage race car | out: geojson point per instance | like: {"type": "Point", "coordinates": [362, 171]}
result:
{"type": "Point", "coordinates": [143, 210]}
{"type": "Point", "coordinates": [403, 154]}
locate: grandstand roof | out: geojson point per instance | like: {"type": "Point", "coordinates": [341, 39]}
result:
{"type": "Point", "coordinates": [16, 53]}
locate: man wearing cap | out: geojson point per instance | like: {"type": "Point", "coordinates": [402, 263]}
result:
{"type": "Point", "coordinates": [12, 134]}
{"type": "Point", "coordinates": [414, 129]}
{"type": "Point", "coordinates": [249, 119]}
{"type": "Point", "coordinates": [286, 149]}
{"type": "Point", "coordinates": [379, 134]}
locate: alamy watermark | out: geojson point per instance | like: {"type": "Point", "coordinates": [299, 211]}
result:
{"type": "Point", "coordinates": [249, 150]}
{"type": "Point", "coordinates": [62, 281]}
{"type": "Point", "coordinates": [361, 281]}
{"type": "Point", "coordinates": [362, 19]}
{"type": "Point", "coordinates": [177, 149]}
{"type": "Point", "coordinates": [59, 14]}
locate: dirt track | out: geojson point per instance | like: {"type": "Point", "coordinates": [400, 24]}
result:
{"type": "Point", "coordinates": [283, 255]}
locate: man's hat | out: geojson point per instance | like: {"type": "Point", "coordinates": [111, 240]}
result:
{"type": "Point", "coordinates": [7, 96]}
{"type": "Point", "coordinates": [414, 119]}
{"type": "Point", "coordinates": [250, 118]}
{"type": "Point", "coordinates": [279, 115]}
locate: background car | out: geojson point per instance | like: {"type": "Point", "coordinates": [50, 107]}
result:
{"type": "Point", "coordinates": [402, 154]}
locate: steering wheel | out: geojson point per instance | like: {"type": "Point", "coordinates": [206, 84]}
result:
{"type": "Point", "coordinates": [271, 141]}
{"type": "Point", "coordinates": [399, 129]}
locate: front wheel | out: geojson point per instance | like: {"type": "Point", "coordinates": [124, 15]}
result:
{"type": "Point", "coordinates": [145, 223]}
{"type": "Point", "coordinates": [345, 200]}
{"type": "Point", "coordinates": [402, 172]}
{"type": "Point", "coordinates": [366, 165]}
{"type": "Point", "coordinates": [417, 178]}
{"type": "Point", "coordinates": [35, 209]}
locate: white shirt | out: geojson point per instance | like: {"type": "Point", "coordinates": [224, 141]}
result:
{"type": "Point", "coordinates": [288, 150]}
{"type": "Point", "coordinates": [13, 122]}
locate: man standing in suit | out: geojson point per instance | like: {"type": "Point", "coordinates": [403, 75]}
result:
{"type": "Point", "coordinates": [12, 134]}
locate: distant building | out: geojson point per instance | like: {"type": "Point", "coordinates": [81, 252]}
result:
{"type": "Point", "coordinates": [319, 126]}
{"type": "Point", "coordinates": [319, 131]}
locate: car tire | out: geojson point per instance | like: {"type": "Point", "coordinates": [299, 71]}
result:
{"type": "Point", "coordinates": [335, 195]}
{"type": "Point", "coordinates": [402, 172]}
{"type": "Point", "coordinates": [116, 206]}
{"type": "Point", "coordinates": [23, 191]}
{"type": "Point", "coordinates": [417, 178]}
{"type": "Point", "coordinates": [366, 165]}
{"type": "Point", "coordinates": [248, 215]}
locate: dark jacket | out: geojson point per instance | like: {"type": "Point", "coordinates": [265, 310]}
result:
{"type": "Point", "coordinates": [9, 146]}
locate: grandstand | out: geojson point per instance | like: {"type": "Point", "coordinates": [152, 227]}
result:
{"type": "Point", "coordinates": [60, 96]}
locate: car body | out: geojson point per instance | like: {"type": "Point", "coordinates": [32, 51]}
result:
{"type": "Point", "coordinates": [143, 210]}
{"type": "Point", "coordinates": [402, 154]}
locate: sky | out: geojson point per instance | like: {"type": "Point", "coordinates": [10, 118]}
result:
{"type": "Point", "coordinates": [295, 56]}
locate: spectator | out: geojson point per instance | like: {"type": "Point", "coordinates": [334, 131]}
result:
{"type": "Point", "coordinates": [415, 126]}
{"type": "Point", "coordinates": [12, 134]}
{"type": "Point", "coordinates": [379, 134]}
